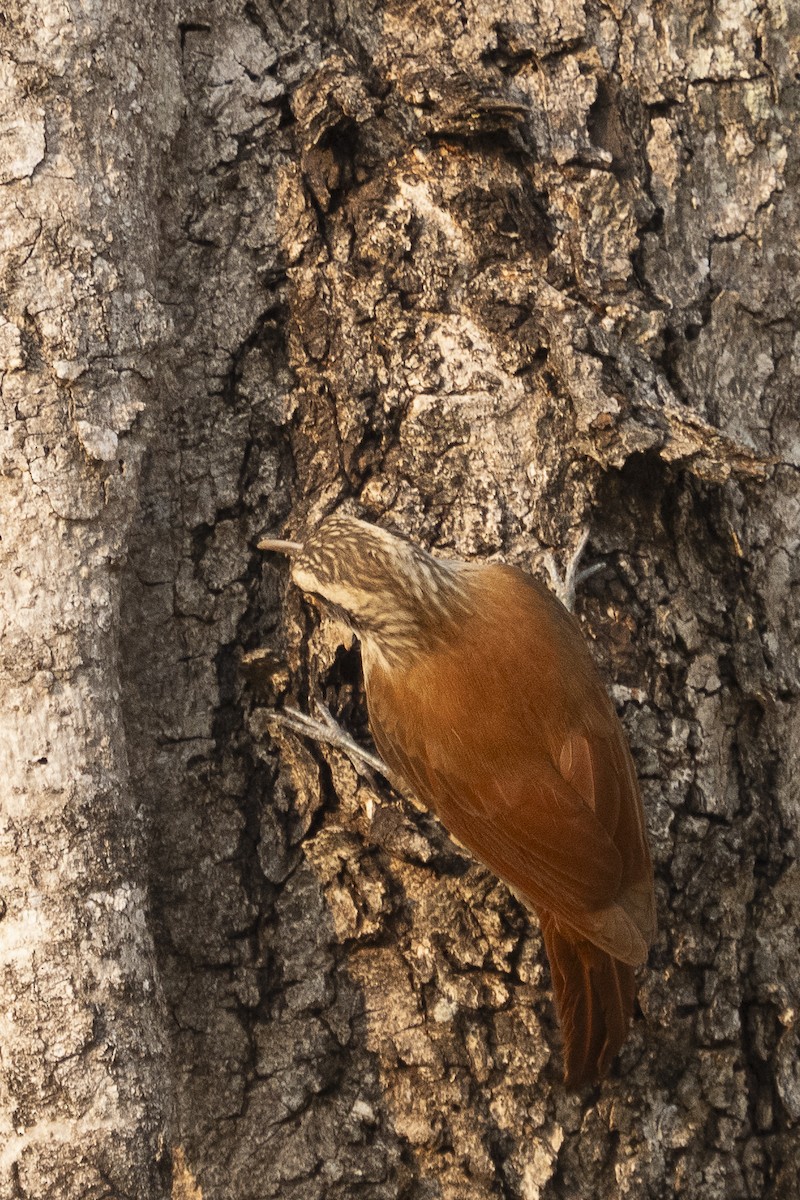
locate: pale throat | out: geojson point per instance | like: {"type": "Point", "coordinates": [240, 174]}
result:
{"type": "Point", "coordinates": [395, 624]}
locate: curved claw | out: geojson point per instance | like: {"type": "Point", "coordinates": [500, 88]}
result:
{"type": "Point", "coordinates": [567, 585]}
{"type": "Point", "coordinates": [328, 731]}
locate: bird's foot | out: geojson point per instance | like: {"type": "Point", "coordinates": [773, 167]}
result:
{"type": "Point", "coordinates": [327, 730]}
{"type": "Point", "coordinates": [567, 585]}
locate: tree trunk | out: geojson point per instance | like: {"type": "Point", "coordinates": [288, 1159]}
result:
{"type": "Point", "coordinates": [487, 273]}
{"type": "Point", "coordinates": [88, 104]}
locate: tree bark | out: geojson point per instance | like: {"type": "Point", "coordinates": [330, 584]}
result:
{"type": "Point", "coordinates": [488, 274]}
{"type": "Point", "coordinates": [88, 105]}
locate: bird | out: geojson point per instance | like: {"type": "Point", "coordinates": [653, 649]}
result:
{"type": "Point", "coordinates": [483, 698]}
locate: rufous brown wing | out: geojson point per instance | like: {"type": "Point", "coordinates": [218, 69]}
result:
{"type": "Point", "coordinates": [506, 732]}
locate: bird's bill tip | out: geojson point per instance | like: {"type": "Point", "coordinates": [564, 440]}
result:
{"type": "Point", "coordinates": [281, 546]}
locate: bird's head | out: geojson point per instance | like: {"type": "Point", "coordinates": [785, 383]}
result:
{"type": "Point", "coordinates": [391, 592]}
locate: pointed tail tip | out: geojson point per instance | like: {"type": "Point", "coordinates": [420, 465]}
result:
{"type": "Point", "coordinates": [583, 1072]}
{"type": "Point", "coordinates": [594, 995]}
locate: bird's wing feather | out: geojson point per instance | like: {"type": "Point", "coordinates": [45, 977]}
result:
{"type": "Point", "coordinates": [548, 844]}
{"type": "Point", "coordinates": [557, 816]}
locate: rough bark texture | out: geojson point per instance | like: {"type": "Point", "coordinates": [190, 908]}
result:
{"type": "Point", "coordinates": [88, 104]}
{"type": "Point", "coordinates": [491, 271]}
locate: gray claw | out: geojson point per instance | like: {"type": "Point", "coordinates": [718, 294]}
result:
{"type": "Point", "coordinates": [328, 731]}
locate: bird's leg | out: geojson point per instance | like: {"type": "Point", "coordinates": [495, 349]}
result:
{"type": "Point", "coordinates": [566, 586]}
{"type": "Point", "coordinates": [326, 729]}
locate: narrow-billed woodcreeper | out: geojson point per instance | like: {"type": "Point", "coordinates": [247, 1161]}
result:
{"type": "Point", "coordinates": [483, 697]}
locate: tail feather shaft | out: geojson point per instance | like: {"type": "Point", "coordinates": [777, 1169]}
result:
{"type": "Point", "coordinates": [594, 996]}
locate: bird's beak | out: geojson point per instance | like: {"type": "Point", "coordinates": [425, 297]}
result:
{"type": "Point", "coordinates": [279, 545]}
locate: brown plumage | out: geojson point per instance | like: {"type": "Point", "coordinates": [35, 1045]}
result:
{"type": "Point", "coordinates": [483, 696]}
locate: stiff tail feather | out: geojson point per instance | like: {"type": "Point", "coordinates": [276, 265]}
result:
{"type": "Point", "coordinates": [594, 996]}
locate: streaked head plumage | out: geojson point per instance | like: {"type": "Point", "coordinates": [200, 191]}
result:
{"type": "Point", "coordinates": [385, 587]}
